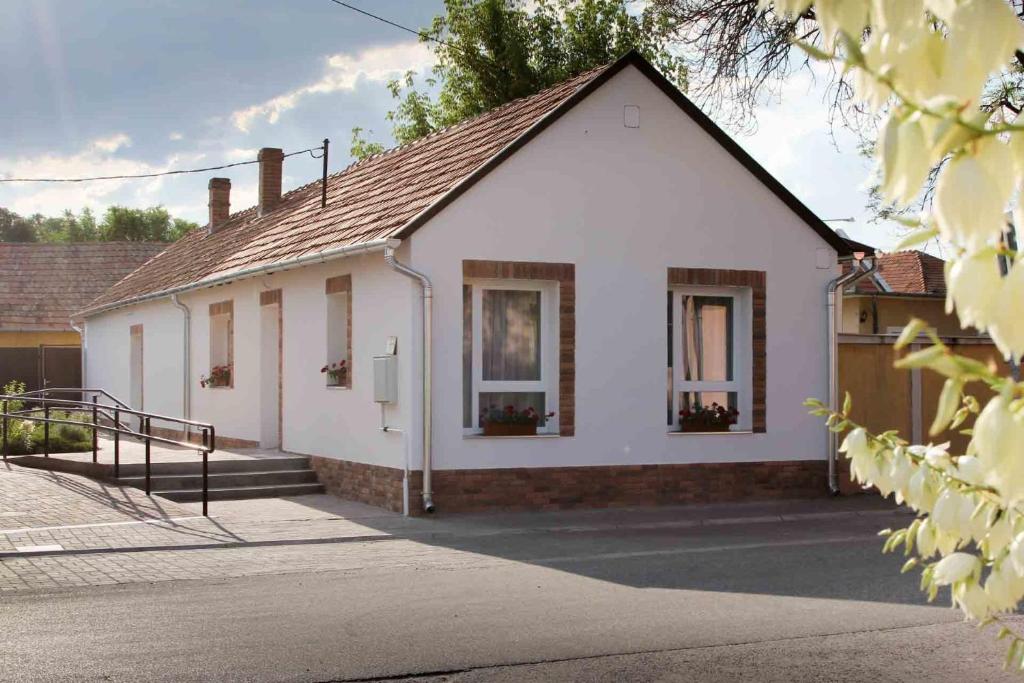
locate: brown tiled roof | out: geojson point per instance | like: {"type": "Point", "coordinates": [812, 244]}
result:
{"type": "Point", "coordinates": [391, 194]}
{"type": "Point", "coordinates": [369, 200]}
{"type": "Point", "coordinates": [908, 272]}
{"type": "Point", "coordinates": [43, 285]}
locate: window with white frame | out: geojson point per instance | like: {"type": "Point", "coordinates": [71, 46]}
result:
{"type": "Point", "coordinates": [709, 359]}
{"type": "Point", "coordinates": [510, 350]}
{"type": "Point", "coordinates": [337, 368]}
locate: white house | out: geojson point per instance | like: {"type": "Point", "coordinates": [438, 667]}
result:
{"type": "Point", "coordinates": [600, 250]}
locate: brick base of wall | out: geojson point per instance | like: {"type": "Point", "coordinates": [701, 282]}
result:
{"type": "Point", "coordinates": [221, 441]}
{"type": "Point", "coordinates": [370, 484]}
{"type": "Point", "coordinates": [559, 488]}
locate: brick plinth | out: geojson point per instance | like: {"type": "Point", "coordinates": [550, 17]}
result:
{"type": "Point", "coordinates": [558, 488]}
{"type": "Point", "coordinates": [553, 488]}
{"type": "Point", "coordinates": [370, 484]}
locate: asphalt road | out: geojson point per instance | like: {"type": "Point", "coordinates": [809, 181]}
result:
{"type": "Point", "coordinates": [808, 600]}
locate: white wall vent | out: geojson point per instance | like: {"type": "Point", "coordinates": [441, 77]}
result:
{"type": "Point", "coordinates": [631, 116]}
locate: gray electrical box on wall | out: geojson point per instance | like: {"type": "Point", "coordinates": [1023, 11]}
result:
{"type": "Point", "coordinates": [385, 378]}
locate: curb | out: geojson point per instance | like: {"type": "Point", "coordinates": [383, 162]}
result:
{"type": "Point", "coordinates": [429, 535]}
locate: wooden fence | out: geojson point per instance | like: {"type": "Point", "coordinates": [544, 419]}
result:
{"type": "Point", "coordinates": [886, 398]}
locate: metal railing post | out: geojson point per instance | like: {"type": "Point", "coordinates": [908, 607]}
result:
{"type": "Point", "coordinates": [95, 422]}
{"type": "Point", "coordinates": [117, 443]}
{"type": "Point", "coordinates": [146, 429]}
{"type": "Point", "coordinates": [46, 430]}
{"type": "Point", "coordinates": [206, 484]}
{"type": "Point", "coordinates": [5, 431]}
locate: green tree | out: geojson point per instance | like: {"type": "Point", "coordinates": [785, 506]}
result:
{"type": "Point", "coordinates": [67, 227]}
{"type": "Point", "coordinates": [361, 147]}
{"type": "Point", "coordinates": [142, 225]}
{"type": "Point", "coordinates": [154, 224]}
{"type": "Point", "coordinates": [14, 228]}
{"type": "Point", "coordinates": [492, 51]}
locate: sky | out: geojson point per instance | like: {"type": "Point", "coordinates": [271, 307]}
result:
{"type": "Point", "coordinates": [114, 87]}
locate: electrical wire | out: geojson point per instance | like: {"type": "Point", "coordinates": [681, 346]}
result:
{"type": "Point", "coordinates": [152, 175]}
{"type": "Point", "coordinates": [422, 34]}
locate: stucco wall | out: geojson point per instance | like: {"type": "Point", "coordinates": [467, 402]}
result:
{"type": "Point", "coordinates": [341, 423]}
{"type": "Point", "coordinates": [109, 342]}
{"type": "Point", "coordinates": [624, 205]}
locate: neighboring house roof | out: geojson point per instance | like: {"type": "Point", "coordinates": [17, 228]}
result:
{"type": "Point", "coordinates": [43, 285]}
{"type": "Point", "coordinates": [392, 194]}
{"type": "Point", "coordinates": [906, 272]}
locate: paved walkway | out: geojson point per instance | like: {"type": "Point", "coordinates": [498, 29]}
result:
{"type": "Point", "coordinates": [61, 530]}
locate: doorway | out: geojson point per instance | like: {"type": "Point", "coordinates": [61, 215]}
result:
{"type": "Point", "coordinates": [62, 367]}
{"type": "Point", "coordinates": [135, 370]}
{"type": "Point", "coordinates": [270, 369]}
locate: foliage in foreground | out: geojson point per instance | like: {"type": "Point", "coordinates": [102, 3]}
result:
{"type": "Point", "coordinates": [924, 66]}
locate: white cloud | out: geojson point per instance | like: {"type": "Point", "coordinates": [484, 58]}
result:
{"type": "Point", "coordinates": [96, 158]}
{"type": "Point", "coordinates": [343, 72]}
{"type": "Point", "coordinates": [111, 143]}
{"type": "Point", "coordinates": [175, 136]}
{"type": "Point", "coordinates": [240, 154]}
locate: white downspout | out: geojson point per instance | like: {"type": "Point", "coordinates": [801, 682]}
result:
{"type": "Point", "coordinates": [835, 290]}
{"type": "Point", "coordinates": [186, 350]}
{"type": "Point", "coordinates": [428, 314]}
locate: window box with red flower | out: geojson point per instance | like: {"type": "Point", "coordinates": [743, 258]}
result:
{"type": "Point", "coordinates": [220, 376]}
{"type": "Point", "coordinates": [337, 373]}
{"type": "Point", "coordinates": [715, 418]}
{"type": "Point", "coordinates": [510, 421]}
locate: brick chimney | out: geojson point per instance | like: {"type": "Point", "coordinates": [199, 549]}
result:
{"type": "Point", "coordinates": [271, 160]}
{"type": "Point", "coordinates": [220, 202]}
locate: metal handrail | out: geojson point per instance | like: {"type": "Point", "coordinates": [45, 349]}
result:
{"type": "Point", "coordinates": [117, 428]}
{"type": "Point", "coordinates": [103, 392]}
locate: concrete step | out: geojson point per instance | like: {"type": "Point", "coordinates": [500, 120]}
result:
{"type": "Point", "coordinates": [272, 464]}
{"type": "Point", "coordinates": [241, 492]}
{"type": "Point", "coordinates": [222, 480]}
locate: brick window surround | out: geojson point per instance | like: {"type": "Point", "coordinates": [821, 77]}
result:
{"type": "Point", "coordinates": [342, 284]}
{"type": "Point", "coordinates": [565, 275]}
{"type": "Point", "coordinates": [755, 280]}
{"type": "Point", "coordinates": [227, 308]}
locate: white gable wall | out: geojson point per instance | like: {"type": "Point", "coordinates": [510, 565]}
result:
{"type": "Point", "coordinates": [624, 205]}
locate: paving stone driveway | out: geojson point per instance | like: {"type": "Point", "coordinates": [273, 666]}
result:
{"type": "Point", "coordinates": [60, 530]}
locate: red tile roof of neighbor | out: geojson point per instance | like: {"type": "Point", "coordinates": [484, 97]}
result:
{"type": "Point", "coordinates": [43, 285]}
{"type": "Point", "coordinates": [907, 272]}
{"type": "Point", "coordinates": [391, 194]}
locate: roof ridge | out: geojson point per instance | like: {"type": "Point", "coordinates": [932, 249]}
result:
{"type": "Point", "coordinates": [589, 73]}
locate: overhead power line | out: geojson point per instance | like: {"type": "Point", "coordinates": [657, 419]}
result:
{"type": "Point", "coordinates": [422, 34]}
{"type": "Point", "coordinates": [152, 175]}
